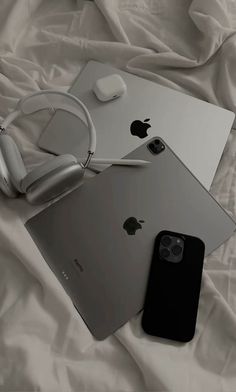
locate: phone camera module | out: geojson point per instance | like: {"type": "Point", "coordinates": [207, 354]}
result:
{"type": "Point", "coordinates": [171, 248]}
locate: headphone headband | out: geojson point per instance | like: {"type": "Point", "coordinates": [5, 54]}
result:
{"type": "Point", "coordinates": [55, 177]}
{"type": "Point", "coordinates": [28, 105]}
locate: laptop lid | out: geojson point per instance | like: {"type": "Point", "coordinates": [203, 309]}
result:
{"type": "Point", "coordinates": [197, 131]}
{"type": "Point", "coordinates": [99, 239]}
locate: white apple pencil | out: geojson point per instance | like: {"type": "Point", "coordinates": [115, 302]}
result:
{"type": "Point", "coordinates": [124, 162]}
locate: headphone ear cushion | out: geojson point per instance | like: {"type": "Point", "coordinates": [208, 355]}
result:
{"type": "Point", "coordinates": [45, 169]}
{"type": "Point", "coordinates": [55, 184]}
{"type": "Point", "coordinates": [13, 160]}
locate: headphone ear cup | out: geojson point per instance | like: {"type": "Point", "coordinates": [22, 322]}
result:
{"type": "Point", "coordinates": [45, 169]}
{"type": "Point", "coordinates": [6, 184]}
{"type": "Point", "coordinates": [13, 160]}
{"type": "Point", "coordinates": [55, 184]}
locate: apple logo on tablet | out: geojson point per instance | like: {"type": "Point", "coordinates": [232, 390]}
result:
{"type": "Point", "coordinates": [131, 225]}
{"type": "Point", "coordinates": [139, 128]}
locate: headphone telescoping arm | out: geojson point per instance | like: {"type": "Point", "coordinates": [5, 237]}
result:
{"type": "Point", "coordinates": [9, 119]}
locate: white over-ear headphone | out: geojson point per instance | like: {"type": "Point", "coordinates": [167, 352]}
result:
{"type": "Point", "coordinates": [59, 174]}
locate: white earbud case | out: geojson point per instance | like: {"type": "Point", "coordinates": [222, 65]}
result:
{"type": "Point", "coordinates": [109, 87]}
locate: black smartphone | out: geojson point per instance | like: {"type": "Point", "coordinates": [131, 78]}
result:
{"type": "Point", "coordinates": [171, 302]}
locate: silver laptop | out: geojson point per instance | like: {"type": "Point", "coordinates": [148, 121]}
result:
{"type": "Point", "coordinates": [99, 239]}
{"type": "Point", "coordinates": [197, 131]}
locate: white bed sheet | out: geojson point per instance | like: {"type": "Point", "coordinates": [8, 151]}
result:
{"type": "Point", "coordinates": [44, 344]}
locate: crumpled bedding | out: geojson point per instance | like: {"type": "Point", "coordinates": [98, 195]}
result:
{"type": "Point", "coordinates": [44, 344]}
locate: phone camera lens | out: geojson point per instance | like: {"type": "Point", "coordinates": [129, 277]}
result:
{"type": "Point", "coordinates": [166, 240]}
{"type": "Point", "coordinates": [157, 141]}
{"type": "Point", "coordinates": [164, 252]}
{"type": "Point", "coordinates": [176, 250]}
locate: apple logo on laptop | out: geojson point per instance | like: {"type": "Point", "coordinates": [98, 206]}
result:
{"type": "Point", "coordinates": [139, 128]}
{"type": "Point", "coordinates": [131, 225]}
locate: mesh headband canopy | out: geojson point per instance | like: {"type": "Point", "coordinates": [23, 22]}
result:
{"type": "Point", "coordinates": [52, 100]}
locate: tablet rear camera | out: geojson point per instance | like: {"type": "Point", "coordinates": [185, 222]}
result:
{"type": "Point", "coordinates": [156, 146]}
{"type": "Point", "coordinates": [152, 146]}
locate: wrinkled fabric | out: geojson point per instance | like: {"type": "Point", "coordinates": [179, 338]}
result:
{"type": "Point", "coordinates": [45, 346]}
